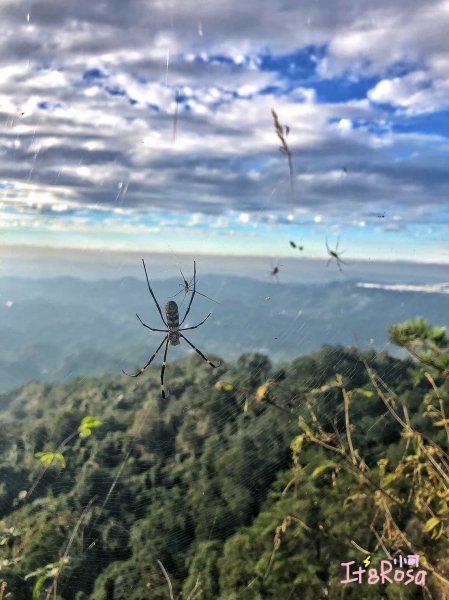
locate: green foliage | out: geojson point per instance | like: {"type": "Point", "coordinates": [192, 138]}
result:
{"type": "Point", "coordinates": [235, 504]}
{"type": "Point", "coordinates": [87, 424]}
{"type": "Point", "coordinates": [430, 345]}
{"type": "Point", "coordinates": [50, 571]}
{"type": "Point", "coordinates": [55, 459]}
{"type": "Point", "coordinates": [420, 331]}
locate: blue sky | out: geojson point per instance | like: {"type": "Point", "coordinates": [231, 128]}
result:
{"type": "Point", "coordinates": [91, 157]}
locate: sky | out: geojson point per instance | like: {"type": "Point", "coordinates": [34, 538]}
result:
{"type": "Point", "coordinates": [147, 125]}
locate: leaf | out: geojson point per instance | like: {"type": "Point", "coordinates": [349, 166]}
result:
{"type": "Point", "coordinates": [297, 443]}
{"type": "Point", "coordinates": [48, 458]}
{"type": "Point", "coordinates": [382, 463]}
{"type": "Point", "coordinates": [387, 479]}
{"type": "Point", "coordinates": [303, 424]}
{"type": "Point", "coordinates": [365, 393]}
{"type": "Point", "coordinates": [263, 390]}
{"type": "Point", "coordinates": [430, 524]}
{"type": "Point", "coordinates": [438, 531]}
{"type": "Point", "coordinates": [87, 424]}
{"type": "Point", "coordinates": [91, 422]}
{"type": "Point", "coordinates": [42, 456]}
{"type": "Point", "coordinates": [59, 458]}
{"type": "Point", "coordinates": [224, 385]}
{"type": "Point", "coordinates": [328, 464]}
{"type": "Point", "coordinates": [417, 445]}
{"type": "Point", "coordinates": [358, 496]}
{"type": "Point", "coordinates": [38, 587]}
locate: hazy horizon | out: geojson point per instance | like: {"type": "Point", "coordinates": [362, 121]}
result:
{"type": "Point", "coordinates": [88, 264]}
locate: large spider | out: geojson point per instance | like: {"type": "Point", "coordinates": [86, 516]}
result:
{"type": "Point", "coordinates": [335, 254]}
{"type": "Point", "coordinates": [173, 329]}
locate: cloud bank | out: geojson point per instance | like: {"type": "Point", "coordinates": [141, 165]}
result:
{"type": "Point", "coordinates": [90, 93]}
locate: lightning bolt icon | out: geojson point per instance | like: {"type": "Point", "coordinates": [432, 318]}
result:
{"type": "Point", "coordinates": [367, 561]}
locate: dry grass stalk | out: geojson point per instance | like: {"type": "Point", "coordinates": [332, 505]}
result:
{"type": "Point", "coordinates": [170, 587]}
{"type": "Point", "coordinates": [282, 133]}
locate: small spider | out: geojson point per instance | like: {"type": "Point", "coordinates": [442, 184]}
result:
{"type": "Point", "coordinates": [186, 288]}
{"type": "Point", "coordinates": [293, 245]}
{"type": "Point", "coordinates": [335, 254]}
{"type": "Point", "coordinates": [274, 272]}
{"type": "Point", "coordinates": [173, 329]}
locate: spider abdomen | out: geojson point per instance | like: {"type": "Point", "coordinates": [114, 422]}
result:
{"type": "Point", "coordinates": [172, 314]}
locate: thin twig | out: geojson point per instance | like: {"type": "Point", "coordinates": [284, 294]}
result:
{"type": "Point", "coordinates": [379, 539]}
{"type": "Point", "coordinates": [192, 594]}
{"type": "Point", "coordinates": [348, 426]}
{"type": "Point", "coordinates": [170, 587]}
{"type": "Point", "coordinates": [440, 400]}
{"type": "Point", "coordinates": [54, 585]}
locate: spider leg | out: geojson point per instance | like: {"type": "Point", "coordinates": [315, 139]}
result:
{"type": "Point", "coordinates": [327, 247]}
{"type": "Point", "coordinates": [211, 364]}
{"type": "Point", "coordinates": [195, 326]}
{"type": "Point", "coordinates": [164, 362]}
{"type": "Point", "coordinates": [204, 296]}
{"type": "Point", "coordinates": [152, 294]}
{"type": "Point", "coordinates": [329, 262]}
{"type": "Point", "coordinates": [193, 294]}
{"type": "Point", "coordinates": [177, 293]}
{"type": "Point", "coordinates": [343, 262]}
{"type": "Point", "coordinates": [338, 241]}
{"type": "Point", "coordinates": [339, 266]}
{"type": "Point", "coordinates": [148, 327]}
{"type": "Point", "coordinates": [140, 371]}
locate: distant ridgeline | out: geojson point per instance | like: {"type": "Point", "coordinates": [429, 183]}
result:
{"type": "Point", "coordinates": [55, 329]}
{"type": "Point", "coordinates": [323, 477]}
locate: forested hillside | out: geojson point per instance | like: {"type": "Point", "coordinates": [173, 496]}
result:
{"type": "Point", "coordinates": [248, 482]}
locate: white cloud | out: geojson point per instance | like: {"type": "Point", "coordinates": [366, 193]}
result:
{"type": "Point", "coordinates": [345, 124]}
{"type": "Point", "coordinates": [416, 92]}
{"type": "Point", "coordinates": [226, 153]}
{"type": "Point", "coordinates": [387, 33]}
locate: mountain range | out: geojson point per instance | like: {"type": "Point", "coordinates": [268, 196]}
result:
{"type": "Point", "coordinates": [56, 328]}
